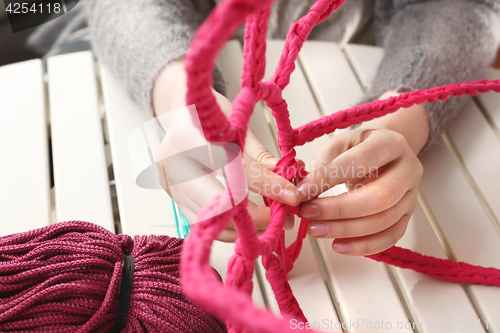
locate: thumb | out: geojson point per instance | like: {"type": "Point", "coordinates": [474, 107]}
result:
{"type": "Point", "coordinates": [255, 149]}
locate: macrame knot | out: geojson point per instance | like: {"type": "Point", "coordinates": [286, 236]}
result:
{"type": "Point", "coordinates": [287, 167]}
{"type": "Point", "coordinates": [269, 92]}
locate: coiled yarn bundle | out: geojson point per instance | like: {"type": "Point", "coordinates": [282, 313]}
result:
{"type": "Point", "coordinates": [232, 302]}
{"type": "Point", "coordinates": [66, 278]}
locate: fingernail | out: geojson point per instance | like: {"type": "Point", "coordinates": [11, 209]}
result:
{"type": "Point", "coordinates": [288, 222]}
{"type": "Point", "coordinates": [318, 229]}
{"type": "Point", "coordinates": [288, 196]}
{"type": "Point", "coordinates": [304, 191]}
{"type": "Point", "coordinates": [309, 211]}
{"type": "Point", "coordinates": [341, 247]}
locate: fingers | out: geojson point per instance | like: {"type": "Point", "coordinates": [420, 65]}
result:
{"type": "Point", "coordinates": [261, 216]}
{"type": "Point", "coordinates": [258, 151]}
{"type": "Point", "coordinates": [376, 196]}
{"type": "Point", "coordinates": [228, 236]}
{"type": "Point", "coordinates": [350, 157]}
{"type": "Point", "coordinates": [366, 225]}
{"type": "Point", "coordinates": [263, 181]}
{"type": "Point", "coordinates": [375, 243]}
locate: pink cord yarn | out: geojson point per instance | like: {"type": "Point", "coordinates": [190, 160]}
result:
{"type": "Point", "coordinates": [65, 278]}
{"type": "Point", "coordinates": [233, 302]}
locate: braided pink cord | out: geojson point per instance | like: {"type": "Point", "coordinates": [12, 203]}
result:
{"type": "Point", "coordinates": [233, 302]}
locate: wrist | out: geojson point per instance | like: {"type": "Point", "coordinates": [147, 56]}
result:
{"type": "Point", "coordinates": [412, 123]}
{"type": "Point", "coordinates": [169, 88]}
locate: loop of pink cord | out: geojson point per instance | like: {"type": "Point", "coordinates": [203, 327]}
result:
{"type": "Point", "coordinates": [233, 302]}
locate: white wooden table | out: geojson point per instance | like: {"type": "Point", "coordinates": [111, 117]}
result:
{"type": "Point", "coordinates": [84, 113]}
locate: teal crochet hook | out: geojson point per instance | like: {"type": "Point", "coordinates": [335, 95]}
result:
{"type": "Point", "coordinates": [181, 223]}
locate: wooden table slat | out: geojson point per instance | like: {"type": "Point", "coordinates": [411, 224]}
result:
{"type": "Point", "coordinates": [320, 60]}
{"type": "Point", "coordinates": [432, 301]}
{"type": "Point", "coordinates": [479, 149]}
{"type": "Point", "coordinates": [80, 171]}
{"type": "Point", "coordinates": [362, 58]}
{"type": "Point", "coordinates": [468, 232]}
{"type": "Point", "coordinates": [491, 101]}
{"type": "Point", "coordinates": [25, 180]}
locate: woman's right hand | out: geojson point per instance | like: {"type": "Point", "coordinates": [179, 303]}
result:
{"type": "Point", "coordinates": [169, 95]}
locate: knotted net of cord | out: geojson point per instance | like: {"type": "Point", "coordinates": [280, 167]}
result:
{"type": "Point", "coordinates": [232, 302]}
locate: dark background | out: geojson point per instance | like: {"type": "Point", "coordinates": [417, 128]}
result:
{"type": "Point", "coordinates": [12, 45]}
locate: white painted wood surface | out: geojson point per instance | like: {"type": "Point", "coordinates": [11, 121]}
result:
{"type": "Point", "coordinates": [334, 84]}
{"type": "Point", "coordinates": [479, 149]}
{"type": "Point", "coordinates": [425, 304]}
{"type": "Point", "coordinates": [431, 301]}
{"type": "Point", "coordinates": [80, 173]}
{"type": "Point", "coordinates": [24, 165]}
{"type": "Point", "coordinates": [491, 101]}
{"type": "Point", "coordinates": [468, 232]}
{"type": "Point", "coordinates": [362, 59]}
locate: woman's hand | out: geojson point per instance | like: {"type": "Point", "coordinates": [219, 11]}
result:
{"type": "Point", "coordinates": [379, 165]}
{"type": "Point", "coordinates": [169, 95]}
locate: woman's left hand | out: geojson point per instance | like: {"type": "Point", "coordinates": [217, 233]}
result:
{"type": "Point", "coordinates": [382, 174]}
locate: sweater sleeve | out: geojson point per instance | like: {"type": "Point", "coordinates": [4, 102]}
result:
{"type": "Point", "coordinates": [432, 43]}
{"type": "Point", "coordinates": [136, 39]}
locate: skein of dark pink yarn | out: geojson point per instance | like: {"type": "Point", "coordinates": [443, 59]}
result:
{"type": "Point", "coordinates": [66, 278]}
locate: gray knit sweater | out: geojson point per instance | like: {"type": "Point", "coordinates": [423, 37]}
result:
{"type": "Point", "coordinates": [427, 43]}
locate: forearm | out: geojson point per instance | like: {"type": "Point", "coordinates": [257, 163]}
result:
{"type": "Point", "coordinates": [412, 123]}
{"type": "Point", "coordinates": [136, 39]}
{"type": "Point", "coordinates": [169, 88]}
{"type": "Point", "coordinates": [434, 43]}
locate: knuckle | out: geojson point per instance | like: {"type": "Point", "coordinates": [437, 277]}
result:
{"type": "Point", "coordinates": [384, 197]}
{"type": "Point", "coordinates": [400, 230]}
{"type": "Point", "coordinates": [366, 248]}
{"type": "Point", "coordinates": [361, 159]}
{"type": "Point", "coordinates": [387, 219]}
{"type": "Point", "coordinates": [263, 156]}
{"type": "Point", "coordinates": [341, 230]}
{"type": "Point", "coordinates": [398, 138]}
{"type": "Point", "coordinates": [338, 210]}
{"type": "Point", "coordinates": [420, 169]}
{"type": "Point", "coordinates": [399, 141]}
